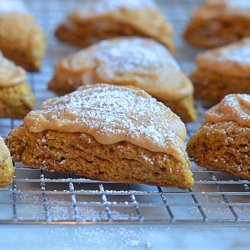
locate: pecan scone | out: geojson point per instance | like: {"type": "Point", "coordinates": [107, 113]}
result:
{"type": "Point", "coordinates": [223, 71]}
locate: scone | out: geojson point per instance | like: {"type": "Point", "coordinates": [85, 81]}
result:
{"type": "Point", "coordinates": [140, 62]}
{"type": "Point", "coordinates": [6, 166]}
{"type": "Point", "coordinates": [223, 71]}
{"type": "Point", "coordinates": [96, 20]}
{"type": "Point", "coordinates": [223, 142]}
{"type": "Point", "coordinates": [105, 132]}
{"type": "Point", "coordinates": [16, 97]}
{"type": "Point", "coordinates": [219, 22]}
{"type": "Point", "coordinates": [21, 39]}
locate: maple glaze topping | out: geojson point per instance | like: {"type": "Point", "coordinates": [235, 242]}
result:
{"type": "Point", "coordinates": [233, 59]}
{"type": "Point", "coordinates": [113, 114]}
{"type": "Point", "coordinates": [141, 62]}
{"type": "Point", "coordinates": [234, 107]}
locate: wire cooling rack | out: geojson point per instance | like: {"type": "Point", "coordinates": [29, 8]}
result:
{"type": "Point", "coordinates": [39, 197]}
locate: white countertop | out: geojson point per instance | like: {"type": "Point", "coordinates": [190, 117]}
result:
{"type": "Point", "coordinates": [124, 237]}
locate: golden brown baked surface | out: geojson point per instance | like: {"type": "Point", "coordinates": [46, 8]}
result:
{"type": "Point", "coordinates": [81, 154]}
{"type": "Point", "coordinates": [21, 39]}
{"type": "Point", "coordinates": [223, 142]}
{"type": "Point", "coordinates": [139, 62]}
{"type": "Point", "coordinates": [16, 97]}
{"type": "Point", "coordinates": [105, 132]}
{"type": "Point", "coordinates": [96, 20]}
{"type": "Point", "coordinates": [218, 22]}
{"type": "Point", "coordinates": [223, 71]}
{"type": "Point", "coordinates": [6, 166]}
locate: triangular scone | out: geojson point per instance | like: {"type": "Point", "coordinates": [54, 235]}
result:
{"type": "Point", "coordinates": [219, 22]}
{"type": "Point", "coordinates": [6, 166]}
{"type": "Point", "coordinates": [140, 62]}
{"type": "Point", "coordinates": [96, 20]}
{"type": "Point", "coordinates": [105, 132]}
{"type": "Point", "coordinates": [223, 71]}
{"type": "Point", "coordinates": [223, 142]}
{"type": "Point", "coordinates": [16, 97]}
{"type": "Point", "coordinates": [21, 39]}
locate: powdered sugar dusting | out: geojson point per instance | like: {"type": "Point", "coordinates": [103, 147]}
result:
{"type": "Point", "coordinates": [7, 6]}
{"type": "Point", "coordinates": [112, 114]}
{"type": "Point", "coordinates": [135, 54]}
{"type": "Point", "coordinates": [135, 61]}
{"type": "Point", "coordinates": [99, 7]}
{"type": "Point", "coordinates": [230, 60]}
{"type": "Point", "coordinates": [232, 108]}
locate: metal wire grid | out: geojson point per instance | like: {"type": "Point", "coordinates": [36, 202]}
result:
{"type": "Point", "coordinates": [41, 197]}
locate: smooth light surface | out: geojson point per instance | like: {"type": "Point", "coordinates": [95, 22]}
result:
{"type": "Point", "coordinates": [124, 237]}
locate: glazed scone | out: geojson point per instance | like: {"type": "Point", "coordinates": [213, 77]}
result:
{"type": "Point", "coordinates": [96, 20]}
{"type": "Point", "coordinates": [139, 62]}
{"type": "Point", "coordinates": [6, 166]}
{"type": "Point", "coordinates": [105, 132]}
{"type": "Point", "coordinates": [219, 22]}
{"type": "Point", "coordinates": [16, 97]}
{"type": "Point", "coordinates": [223, 142]}
{"type": "Point", "coordinates": [21, 39]}
{"type": "Point", "coordinates": [223, 71]}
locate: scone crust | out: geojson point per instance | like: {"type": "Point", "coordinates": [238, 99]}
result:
{"type": "Point", "coordinates": [211, 87]}
{"type": "Point", "coordinates": [81, 154]}
{"type": "Point", "coordinates": [222, 146]}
